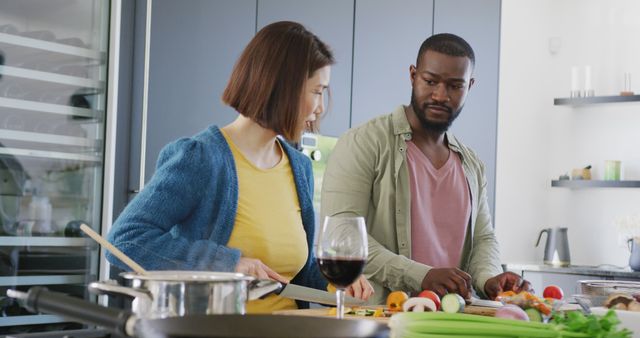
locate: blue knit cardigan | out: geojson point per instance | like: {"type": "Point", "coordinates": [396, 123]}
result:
{"type": "Point", "coordinates": [184, 216]}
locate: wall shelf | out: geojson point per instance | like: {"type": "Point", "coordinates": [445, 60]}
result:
{"type": "Point", "coordinates": [576, 184]}
{"type": "Point", "coordinates": [577, 101]}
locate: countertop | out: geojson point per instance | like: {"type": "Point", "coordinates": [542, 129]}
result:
{"type": "Point", "coordinates": [599, 270]}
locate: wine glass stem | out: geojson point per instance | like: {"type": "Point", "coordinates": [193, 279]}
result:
{"type": "Point", "coordinates": [340, 303]}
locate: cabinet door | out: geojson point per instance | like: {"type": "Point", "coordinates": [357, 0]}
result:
{"type": "Point", "coordinates": [194, 45]}
{"type": "Point", "coordinates": [387, 37]}
{"type": "Point", "coordinates": [332, 22]}
{"type": "Point", "coordinates": [478, 22]}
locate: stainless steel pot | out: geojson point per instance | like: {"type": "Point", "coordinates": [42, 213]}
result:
{"type": "Point", "coordinates": [162, 294]}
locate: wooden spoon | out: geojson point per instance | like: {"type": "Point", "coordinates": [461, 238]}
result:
{"type": "Point", "coordinates": [106, 245]}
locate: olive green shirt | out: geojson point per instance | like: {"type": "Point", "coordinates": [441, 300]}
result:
{"type": "Point", "coordinates": [367, 175]}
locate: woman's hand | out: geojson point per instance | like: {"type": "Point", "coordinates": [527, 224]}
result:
{"type": "Point", "coordinates": [361, 288]}
{"type": "Point", "coordinates": [255, 267]}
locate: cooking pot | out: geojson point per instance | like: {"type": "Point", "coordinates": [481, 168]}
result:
{"type": "Point", "coordinates": [124, 323]}
{"type": "Point", "coordinates": [162, 294]}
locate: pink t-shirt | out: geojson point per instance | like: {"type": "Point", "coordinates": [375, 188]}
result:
{"type": "Point", "coordinates": [440, 209]}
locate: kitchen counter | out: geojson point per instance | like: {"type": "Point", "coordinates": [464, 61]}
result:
{"type": "Point", "coordinates": [605, 271]}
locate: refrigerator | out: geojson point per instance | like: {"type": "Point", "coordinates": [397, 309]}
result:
{"type": "Point", "coordinates": [58, 88]}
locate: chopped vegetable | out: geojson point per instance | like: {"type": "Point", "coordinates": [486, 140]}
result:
{"type": "Point", "coordinates": [511, 311]}
{"type": "Point", "coordinates": [533, 314]}
{"type": "Point", "coordinates": [431, 295]}
{"type": "Point", "coordinates": [396, 299]}
{"type": "Point", "coordinates": [452, 303]}
{"type": "Point", "coordinates": [419, 304]}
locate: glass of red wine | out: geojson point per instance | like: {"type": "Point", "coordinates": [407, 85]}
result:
{"type": "Point", "coordinates": [341, 252]}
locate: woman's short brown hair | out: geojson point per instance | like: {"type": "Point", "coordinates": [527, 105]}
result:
{"type": "Point", "coordinates": [268, 80]}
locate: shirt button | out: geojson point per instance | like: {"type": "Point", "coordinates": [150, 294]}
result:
{"type": "Point", "coordinates": [401, 149]}
{"type": "Point", "coordinates": [407, 136]}
{"type": "Point", "coordinates": [403, 244]}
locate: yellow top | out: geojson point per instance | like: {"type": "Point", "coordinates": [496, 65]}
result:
{"type": "Point", "coordinates": [268, 223]}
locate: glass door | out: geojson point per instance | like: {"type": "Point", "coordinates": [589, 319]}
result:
{"type": "Point", "coordinates": [53, 103]}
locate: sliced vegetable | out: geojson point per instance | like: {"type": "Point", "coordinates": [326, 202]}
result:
{"type": "Point", "coordinates": [452, 303]}
{"type": "Point", "coordinates": [419, 304]}
{"type": "Point", "coordinates": [553, 291]}
{"type": "Point", "coordinates": [511, 311]}
{"type": "Point", "coordinates": [431, 295]}
{"type": "Point", "coordinates": [396, 299]}
{"type": "Point", "coordinates": [533, 314]}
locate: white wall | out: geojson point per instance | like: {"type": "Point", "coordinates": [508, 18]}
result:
{"type": "Point", "coordinates": [538, 141]}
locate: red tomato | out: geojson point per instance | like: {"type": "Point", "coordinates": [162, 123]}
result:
{"type": "Point", "coordinates": [553, 291]}
{"type": "Point", "coordinates": [431, 295]}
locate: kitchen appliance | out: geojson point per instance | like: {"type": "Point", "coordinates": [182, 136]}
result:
{"type": "Point", "coordinates": [123, 323]}
{"type": "Point", "coordinates": [58, 80]}
{"type": "Point", "coordinates": [556, 249]}
{"type": "Point", "coordinates": [162, 294]}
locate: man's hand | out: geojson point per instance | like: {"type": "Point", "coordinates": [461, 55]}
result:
{"type": "Point", "coordinates": [506, 281]}
{"type": "Point", "coordinates": [361, 288]}
{"type": "Point", "coordinates": [448, 280]}
{"type": "Point", "coordinates": [255, 267]}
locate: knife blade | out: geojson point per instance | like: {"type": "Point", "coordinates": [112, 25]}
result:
{"type": "Point", "coordinates": [304, 293]}
{"type": "Point", "coordinates": [484, 303]}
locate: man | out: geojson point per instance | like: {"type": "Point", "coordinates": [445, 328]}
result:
{"type": "Point", "coordinates": [423, 193]}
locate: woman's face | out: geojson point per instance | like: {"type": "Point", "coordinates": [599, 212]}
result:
{"type": "Point", "coordinates": [313, 97]}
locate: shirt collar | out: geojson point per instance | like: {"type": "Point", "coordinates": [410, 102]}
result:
{"type": "Point", "coordinates": [401, 127]}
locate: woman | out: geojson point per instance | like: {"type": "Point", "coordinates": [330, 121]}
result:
{"type": "Point", "coordinates": [237, 198]}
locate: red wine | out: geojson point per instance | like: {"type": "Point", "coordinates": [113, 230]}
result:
{"type": "Point", "coordinates": [341, 272]}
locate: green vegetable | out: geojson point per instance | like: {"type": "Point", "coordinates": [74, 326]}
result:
{"type": "Point", "coordinates": [441, 325]}
{"type": "Point", "coordinates": [452, 303]}
{"type": "Point", "coordinates": [594, 326]}
{"type": "Point", "coordinates": [534, 315]}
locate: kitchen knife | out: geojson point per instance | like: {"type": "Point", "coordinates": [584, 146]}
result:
{"type": "Point", "coordinates": [484, 302]}
{"type": "Point", "coordinates": [304, 293]}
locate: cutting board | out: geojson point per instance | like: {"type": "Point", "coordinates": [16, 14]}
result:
{"type": "Point", "coordinates": [324, 312]}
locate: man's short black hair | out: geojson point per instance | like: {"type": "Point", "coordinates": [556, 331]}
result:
{"type": "Point", "coordinates": [449, 44]}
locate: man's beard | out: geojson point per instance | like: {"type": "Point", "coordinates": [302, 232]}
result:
{"type": "Point", "coordinates": [421, 114]}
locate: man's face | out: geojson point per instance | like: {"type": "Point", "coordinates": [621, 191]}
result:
{"type": "Point", "coordinates": [440, 84]}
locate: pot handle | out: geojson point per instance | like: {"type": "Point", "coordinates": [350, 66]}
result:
{"type": "Point", "coordinates": [39, 299]}
{"type": "Point", "coordinates": [111, 288]}
{"type": "Point", "coordinates": [259, 288]}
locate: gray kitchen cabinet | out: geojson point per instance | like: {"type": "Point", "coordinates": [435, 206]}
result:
{"type": "Point", "coordinates": [332, 22]}
{"type": "Point", "coordinates": [387, 36]}
{"type": "Point", "coordinates": [567, 282]}
{"type": "Point", "coordinates": [193, 48]}
{"type": "Point", "coordinates": [478, 22]}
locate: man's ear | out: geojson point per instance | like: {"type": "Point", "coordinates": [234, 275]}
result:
{"type": "Point", "coordinates": [412, 74]}
{"type": "Point", "coordinates": [471, 82]}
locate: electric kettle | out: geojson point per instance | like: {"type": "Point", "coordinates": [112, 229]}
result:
{"type": "Point", "coordinates": [556, 250]}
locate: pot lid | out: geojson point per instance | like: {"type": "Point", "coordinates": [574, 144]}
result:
{"type": "Point", "coordinates": [179, 276]}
